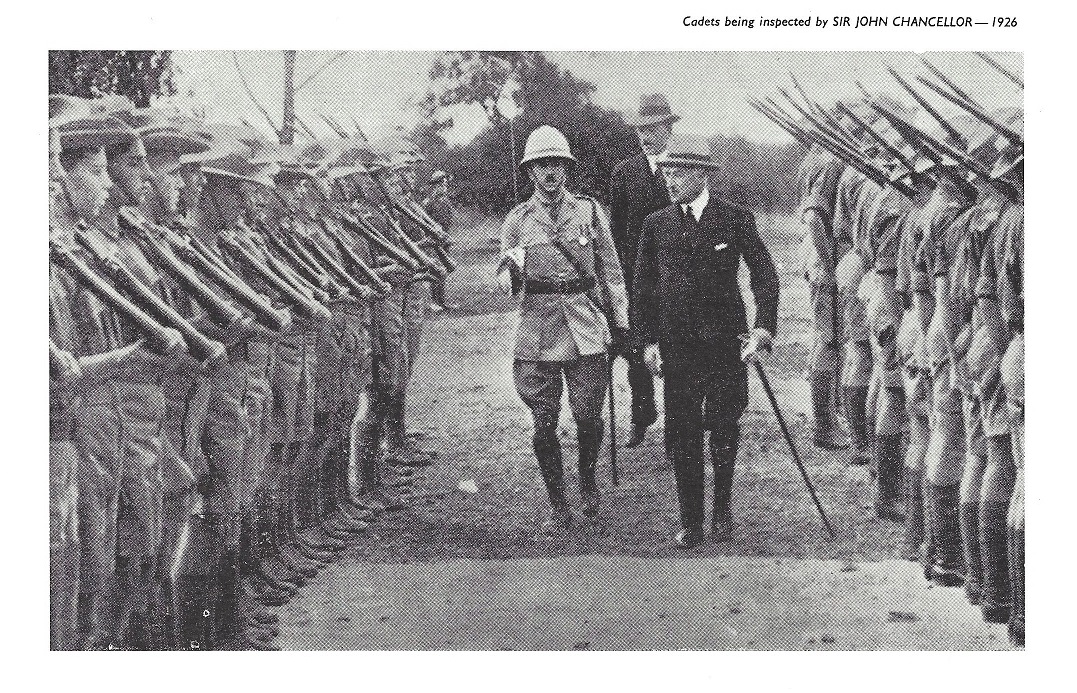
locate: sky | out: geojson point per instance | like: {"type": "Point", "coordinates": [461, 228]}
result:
{"type": "Point", "coordinates": [707, 89]}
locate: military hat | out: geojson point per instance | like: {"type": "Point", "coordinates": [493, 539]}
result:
{"type": "Point", "coordinates": [64, 108]}
{"type": "Point", "coordinates": [654, 108]}
{"type": "Point", "coordinates": [98, 131]}
{"type": "Point", "coordinates": [237, 166]}
{"type": "Point", "coordinates": [159, 132]}
{"type": "Point", "coordinates": [687, 151]}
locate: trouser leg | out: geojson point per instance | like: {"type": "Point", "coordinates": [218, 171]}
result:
{"type": "Point", "coordinates": [684, 443]}
{"type": "Point", "coordinates": [539, 385]}
{"type": "Point", "coordinates": [995, 498]}
{"type": "Point", "coordinates": [724, 442]}
{"type": "Point", "coordinates": [64, 556]}
{"type": "Point", "coordinates": [975, 464]}
{"type": "Point", "coordinates": [641, 383]}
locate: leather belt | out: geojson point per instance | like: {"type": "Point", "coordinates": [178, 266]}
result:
{"type": "Point", "coordinates": [567, 286]}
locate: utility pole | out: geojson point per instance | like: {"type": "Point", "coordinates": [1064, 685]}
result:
{"type": "Point", "coordinates": [287, 131]}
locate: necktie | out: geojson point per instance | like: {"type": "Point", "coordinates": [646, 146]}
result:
{"type": "Point", "coordinates": [689, 222]}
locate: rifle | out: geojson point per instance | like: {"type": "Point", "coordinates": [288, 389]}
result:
{"type": "Point", "coordinates": [977, 113]}
{"type": "Point", "coordinates": [308, 305]}
{"type": "Point", "coordinates": [379, 285]}
{"type": "Point", "coordinates": [849, 157]}
{"type": "Point", "coordinates": [413, 249]}
{"type": "Point", "coordinates": [203, 259]}
{"type": "Point", "coordinates": [929, 142]}
{"type": "Point", "coordinates": [418, 215]}
{"type": "Point", "coordinates": [892, 150]}
{"type": "Point", "coordinates": [326, 258]}
{"type": "Point", "coordinates": [950, 129]}
{"type": "Point", "coordinates": [1005, 73]}
{"type": "Point", "coordinates": [162, 340]}
{"type": "Point", "coordinates": [364, 228]}
{"type": "Point", "coordinates": [221, 312]}
{"type": "Point", "coordinates": [915, 137]}
{"type": "Point", "coordinates": [953, 87]}
{"type": "Point", "coordinates": [208, 351]}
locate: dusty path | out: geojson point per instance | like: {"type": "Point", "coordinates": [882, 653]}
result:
{"type": "Point", "coordinates": [463, 569]}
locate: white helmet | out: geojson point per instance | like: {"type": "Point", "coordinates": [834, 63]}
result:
{"type": "Point", "coordinates": [546, 142]}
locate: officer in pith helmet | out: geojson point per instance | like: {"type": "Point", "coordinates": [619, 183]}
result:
{"type": "Point", "coordinates": [558, 255]}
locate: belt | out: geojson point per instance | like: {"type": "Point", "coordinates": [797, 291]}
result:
{"type": "Point", "coordinates": [566, 286]}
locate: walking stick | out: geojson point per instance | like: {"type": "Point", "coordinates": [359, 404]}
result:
{"type": "Point", "coordinates": [613, 423]}
{"type": "Point", "coordinates": [792, 446]}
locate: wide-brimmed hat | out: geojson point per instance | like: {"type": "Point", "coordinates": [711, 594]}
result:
{"type": "Point", "coordinates": [64, 108]}
{"type": "Point", "coordinates": [654, 108]}
{"type": "Point", "coordinates": [159, 132]}
{"type": "Point", "coordinates": [236, 166]}
{"type": "Point", "coordinates": [687, 151]}
{"type": "Point", "coordinates": [98, 131]}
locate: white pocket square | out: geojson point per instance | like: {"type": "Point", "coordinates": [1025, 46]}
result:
{"type": "Point", "coordinates": [721, 246]}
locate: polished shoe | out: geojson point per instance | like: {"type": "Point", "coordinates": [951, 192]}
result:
{"type": "Point", "coordinates": [560, 520]}
{"type": "Point", "coordinates": [639, 432]}
{"type": "Point", "coordinates": [688, 539]}
{"type": "Point", "coordinates": [722, 529]}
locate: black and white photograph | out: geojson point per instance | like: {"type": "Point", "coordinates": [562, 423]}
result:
{"type": "Point", "coordinates": [698, 348]}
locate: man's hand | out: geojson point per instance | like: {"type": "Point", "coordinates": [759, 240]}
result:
{"type": "Point", "coordinates": [67, 367]}
{"type": "Point", "coordinates": [757, 346]}
{"type": "Point", "coordinates": [652, 358]}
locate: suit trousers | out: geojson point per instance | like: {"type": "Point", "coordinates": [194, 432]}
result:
{"type": "Point", "coordinates": [641, 382]}
{"type": "Point", "coordinates": [706, 389]}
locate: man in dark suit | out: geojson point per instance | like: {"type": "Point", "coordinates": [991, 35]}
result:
{"type": "Point", "coordinates": [689, 315]}
{"type": "Point", "coordinates": [637, 189]}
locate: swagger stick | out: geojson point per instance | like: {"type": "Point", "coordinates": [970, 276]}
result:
{"type": "Point", "coordinates": [792, 446]}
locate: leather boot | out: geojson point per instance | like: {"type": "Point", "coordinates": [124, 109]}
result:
{"type": "Point", "coordinates": [856, 399]}
{"type": "Point", "coordinates": [197, 584]}
{"type": "Point", "coordinates": [100, 620]}
{"type": "Point", "coordinates": [548, 453]}
{"type": "Point", "coordinates": [589, 434]}
{"type": "Point", "coordinates": [914, 515]}
{"type": "Point", "coordinates": [995, 600]}
{"type": "Point", "coordinates": [946, 536]}
{"type": "Point", "coordinates": [970, 541]}
{"type": "Point", "coordinates": [723, 445]}
{"type": "Point", "coordinates": [891, 462]}
{"type": "Point", "coordinates": [1016, 559]}
{"type": "Point", "coordinates": [826, 433]}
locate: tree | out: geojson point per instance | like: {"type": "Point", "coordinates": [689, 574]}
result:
{"type": "Point", "coordinates": [138, 75]}
{"type": "Point", "coordinates": [546, 95]}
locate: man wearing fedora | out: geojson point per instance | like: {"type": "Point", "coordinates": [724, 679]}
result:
{"type": "Point", "coordinates": [637, 189]}
{"type": "Point", "coordinates": [690, 316]}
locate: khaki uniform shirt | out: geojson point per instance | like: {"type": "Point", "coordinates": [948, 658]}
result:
{"type": "Point", "coordinates": [561, 327]}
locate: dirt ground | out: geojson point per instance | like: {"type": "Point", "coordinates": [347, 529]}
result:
{"type": "Point", "coordinates": [466, 566]}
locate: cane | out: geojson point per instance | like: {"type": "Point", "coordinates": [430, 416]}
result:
{"type": "Point", "coordinates": [613, 423]}
{"type": "Point", "coordinates": [792, 446]}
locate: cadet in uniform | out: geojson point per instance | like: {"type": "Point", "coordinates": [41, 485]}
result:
{"type": "Point", "coordinates": [637, 189]}
{"type": "Point", "coordinates": [819, 176]}
{"type": "Point", "coordinates": [440, 208]}
{"type": "Point", "coordinates": [691, 316]}
{"type": "Point", "coordinates": [558, 245]}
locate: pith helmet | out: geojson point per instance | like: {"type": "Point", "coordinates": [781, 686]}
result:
{"type": "Point", "coordinates": [546, 142]}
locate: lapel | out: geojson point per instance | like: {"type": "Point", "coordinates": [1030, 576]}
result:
{"type": "Point", "coordinates": [655, 186]}
{"type": "Point", "coordinates": [712, 224]}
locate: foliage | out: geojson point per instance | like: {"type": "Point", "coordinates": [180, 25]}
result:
{"type": "Point", "coordinates": [547, 95]}
{"type": "Point", "coordinates": [138, 75]}
{"type": "Point", "coordinates": [762, 176]}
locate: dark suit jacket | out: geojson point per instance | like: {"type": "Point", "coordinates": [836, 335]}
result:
{"type": "Point", "coordinates": [685, 283]}
{"type": "Point", "coordinates": [635, 192]}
